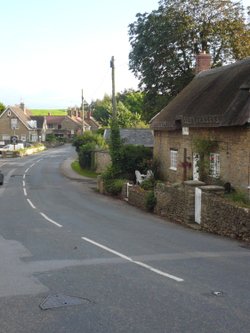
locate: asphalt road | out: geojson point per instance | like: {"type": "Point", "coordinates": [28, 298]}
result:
{"type": "Point", "coordinates": [72, 260]}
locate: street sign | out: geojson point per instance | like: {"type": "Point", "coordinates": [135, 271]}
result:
{"type": "Point", "coordinates": [14, 139]}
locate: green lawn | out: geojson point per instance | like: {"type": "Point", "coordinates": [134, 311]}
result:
{"type": "Point", "coordinates": [45, 112]}
{"type": "Point", "coordinates": [83, 172]}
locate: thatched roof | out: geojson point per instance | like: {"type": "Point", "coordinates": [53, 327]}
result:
{"type": "Point", "coordinates": [214, 98]}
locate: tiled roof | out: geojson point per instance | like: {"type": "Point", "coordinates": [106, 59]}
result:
{"type": "Point", "coordinates": [134, 136]}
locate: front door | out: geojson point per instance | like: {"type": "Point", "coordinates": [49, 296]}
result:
{"type": "Point", "coordinates": [196, 159]}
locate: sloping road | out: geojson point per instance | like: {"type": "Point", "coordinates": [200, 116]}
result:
{"type": "Point", "coordinates": [100, 265]}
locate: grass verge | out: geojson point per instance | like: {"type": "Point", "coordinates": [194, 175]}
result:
{"type": "Point", "coordinates": [83, 172]}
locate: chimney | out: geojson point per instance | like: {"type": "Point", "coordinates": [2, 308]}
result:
{"type": "Point", "coordinates": [22, 106]}
{"type": "Point", "coordinates": [203, 62]}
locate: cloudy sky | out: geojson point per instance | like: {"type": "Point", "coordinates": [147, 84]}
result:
{"type": "Point", "coordinates": [51, 49]}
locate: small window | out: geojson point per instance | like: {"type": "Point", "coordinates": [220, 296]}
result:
{"type": "Point", "coordinates": [214, 165]}
{"type": "Point", "coordinates": [173, 159]}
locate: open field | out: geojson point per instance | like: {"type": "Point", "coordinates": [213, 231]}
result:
{"type": "Point", "coordinates": [52, 112]}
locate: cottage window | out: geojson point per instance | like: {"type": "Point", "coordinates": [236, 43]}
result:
{"type": "Point", "coordinates": [173, 159]}
{"type": "Point", "coordinates": [50, 125]}
{"type": "Point", "coordinates": [14, 123]}
{"type": "Point", "coordinates": [215, 165]}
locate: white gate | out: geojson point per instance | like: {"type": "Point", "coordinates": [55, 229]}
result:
{"type": "Point", "coordinates": [198, 205]}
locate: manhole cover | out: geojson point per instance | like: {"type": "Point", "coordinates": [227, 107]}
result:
{"type": "Point", "coordinates": [59, 300]}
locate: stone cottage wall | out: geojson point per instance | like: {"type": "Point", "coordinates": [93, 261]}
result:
{"type": "Point", "coordinates": [233, 147]}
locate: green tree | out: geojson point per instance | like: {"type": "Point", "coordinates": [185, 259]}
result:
{"type": "Point", "coordinates": [102, 110]}
{"type": "Point", "coordinates": [2, 107]}
{"type": "Point", "coordinates": [164, 43]}
{"type": "Point", "coordinates": [129, 109]}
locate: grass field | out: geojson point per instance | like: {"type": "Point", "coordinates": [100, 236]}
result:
{"type": "Point", "coordinates": [53, 112]}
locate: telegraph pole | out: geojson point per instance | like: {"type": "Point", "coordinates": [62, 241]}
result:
{"type": "Point", "coordinates": [112, 65]}
{"type": "Point", "coordinates": [82, 108]}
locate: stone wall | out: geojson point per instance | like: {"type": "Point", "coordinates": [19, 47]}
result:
{"type": "Point", "coordinates": [137, 197]}
{"type": "Point", "coordinates": [177, 203]}
{"type": "Point", "coordinates": [224, 218]}
{"type": "Point", "coordinates": [101, 160]}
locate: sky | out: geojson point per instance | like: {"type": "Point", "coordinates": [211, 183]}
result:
{"type": "Point", "coordinates": [52, 49]}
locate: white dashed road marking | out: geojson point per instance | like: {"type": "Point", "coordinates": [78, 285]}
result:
{"type": "Point", "coordinates": [152, 269]}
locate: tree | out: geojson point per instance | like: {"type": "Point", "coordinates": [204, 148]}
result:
{"type": "Point", "coordinates": [129, 109]}
{"type": "Point", "coordinates": [2, 107]}
{"type": "Point", "coordinates": [164, 43]}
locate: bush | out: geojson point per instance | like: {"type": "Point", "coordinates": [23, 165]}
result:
{"type": "Point", "coordinates": [239, 197]}
{"type": "Point", "coordinates": [113, 186]}
{"type": "Point", "coordinates": [150, 201]}
{"type": "Point", "coordinates": [85, 155]}
{"type": "Point", "coordinates": [86, 138]}
{"type": "Point", "coordinates": [134, 158]}
{"type": "Point", "coordinates": [148, 184]}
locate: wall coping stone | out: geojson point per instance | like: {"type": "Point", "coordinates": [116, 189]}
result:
{"type": "Point", "coordinates": [212, 188]}
{"type": "Point", "coordinates": [194, 183]}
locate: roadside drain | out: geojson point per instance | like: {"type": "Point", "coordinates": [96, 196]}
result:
{"type": "Point", "coordinates": [60, 300]}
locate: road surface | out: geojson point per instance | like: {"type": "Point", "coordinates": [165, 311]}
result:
{"type": "Point", "coordinates": [72, 260]}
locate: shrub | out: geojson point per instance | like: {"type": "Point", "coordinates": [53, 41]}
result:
{"type": "Point", "coordinates": [133, 158]}
{"type": "Point", "coordinates": [239, 197]}
{"type": "Point", "coordinates": [85, 155]}
{"type": "Point", "coordinates": [113, 186]}
{"type": "Point", "coordinates": [88, 137]}
{"type": "Point", "coordinates": [148, 184]}
{"type": "Point", "coordinates": [150, 201]}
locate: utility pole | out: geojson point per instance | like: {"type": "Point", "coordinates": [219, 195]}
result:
{"type": "Point", "coordinates": [112, 65]}
{"type": "Point", "coordinates": [82, 109]}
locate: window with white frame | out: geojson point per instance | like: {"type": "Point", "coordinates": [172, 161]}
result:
{"type": "Point", "coordinates": [214, 165]}
{"type": "Point", "coordinates": [173, 159]}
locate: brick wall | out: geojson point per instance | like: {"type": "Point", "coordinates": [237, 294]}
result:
{"type": "Point", "coordinates": [233, 147]}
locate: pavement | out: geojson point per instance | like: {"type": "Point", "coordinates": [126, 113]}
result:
{"type": "Point", "coordinates": [68, 172]}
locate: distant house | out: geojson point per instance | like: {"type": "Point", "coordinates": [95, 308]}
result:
{"type": "Point", "coordinates": [213, 111]}
{"type": "Point", "coordinates": [134, 136]}
{"type": "Point", "coordinates": [87, 121]}
{"type": "Point", "coordinates": [62, 126]}
{"type": "Point", "coordinates": [17, 121]}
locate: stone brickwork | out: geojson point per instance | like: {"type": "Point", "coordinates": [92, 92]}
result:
{"type": "Point", "coordinates": [101, 160]}
{"type": "Point", "coordinates": [233, 148]}
{"type": "Point", "coordinates": [170, 202]}
{"type": "Point", "coordinates": [137, 197]}
{"type": "Point", "coordinates": [177, 203]}
{"type": "Point", "coordinates": [224, 218]}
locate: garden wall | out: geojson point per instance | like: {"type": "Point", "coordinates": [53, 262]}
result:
{"type": "Point", "coordinates": [177, 203]}
{"type": "Point", "coordinates": [224, 218]}
{"type": "Point", "coordinates": [101, 160]}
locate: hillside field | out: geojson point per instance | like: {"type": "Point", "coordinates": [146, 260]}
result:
{"type": "Point", "coordinates": [53, 112]}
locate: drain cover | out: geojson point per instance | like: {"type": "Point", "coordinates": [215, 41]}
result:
{"type": "Point", "coordinates": [59, 300]}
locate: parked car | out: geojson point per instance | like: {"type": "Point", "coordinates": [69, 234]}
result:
{"type": "Point", "coordinates": [11, 147]}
